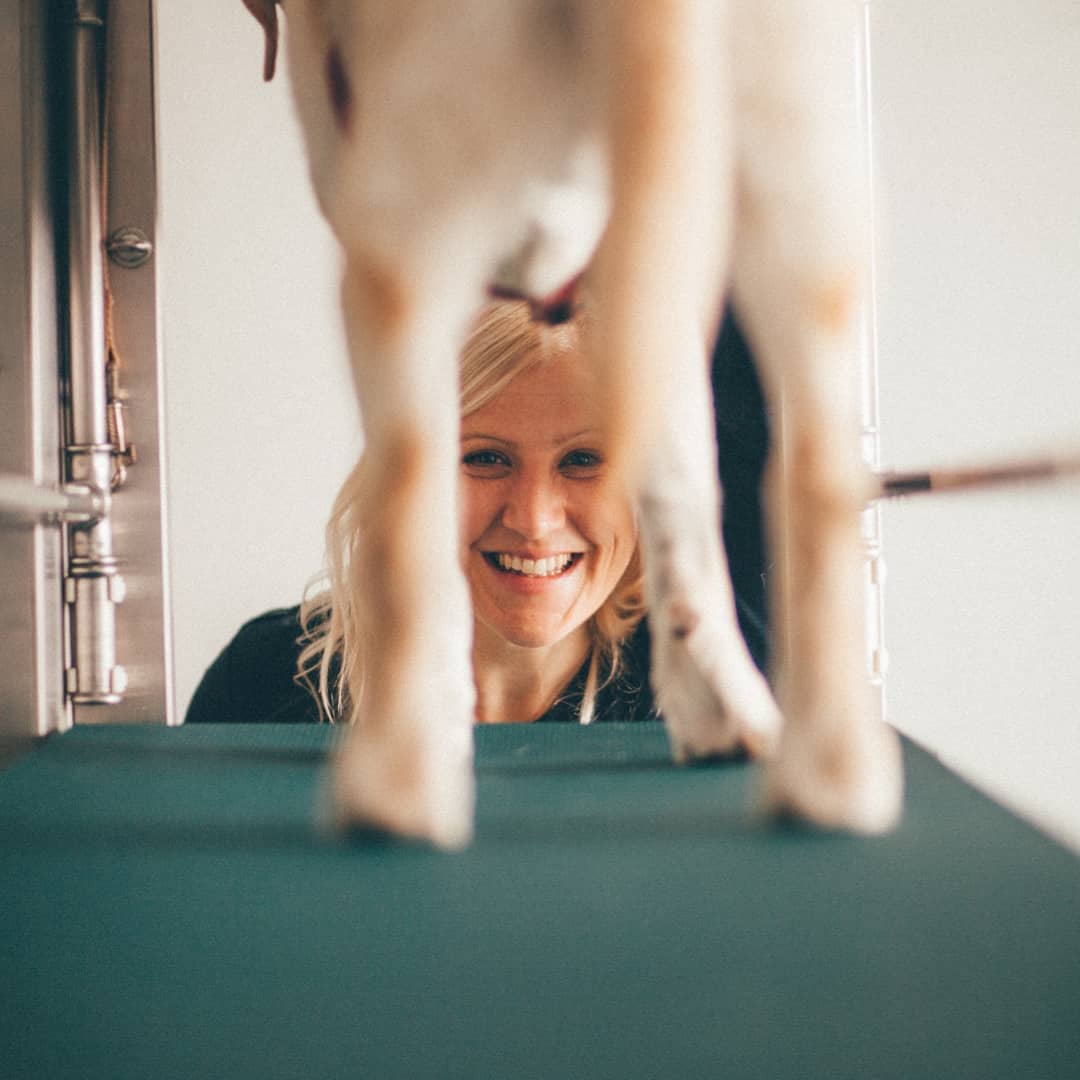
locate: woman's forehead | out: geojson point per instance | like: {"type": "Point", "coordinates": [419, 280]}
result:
{"type": "Point", "coordinates": [558, 391]}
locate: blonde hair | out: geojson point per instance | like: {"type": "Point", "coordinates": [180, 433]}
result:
{"type": "Point", "coordinates": [505, 341]}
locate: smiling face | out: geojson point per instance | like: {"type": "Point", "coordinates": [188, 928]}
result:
{"type": "Point", "coordinates": [547, 529]}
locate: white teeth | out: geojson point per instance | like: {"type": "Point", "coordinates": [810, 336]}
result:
{"type": "Point", "coordinates": [554, 564]}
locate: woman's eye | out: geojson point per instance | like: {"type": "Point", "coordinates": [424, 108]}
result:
{"type": "Point", "coordinates": [582, 460]}
{"type": "Point", "coordinates": [485, 459]}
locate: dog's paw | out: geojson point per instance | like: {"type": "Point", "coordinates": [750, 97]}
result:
{"type": "Point", "coordinates": [847, 777]}
{"type": "Point", "coordinates": [714, 701]}
{"type": "Point", "coordinates": [411, 783]}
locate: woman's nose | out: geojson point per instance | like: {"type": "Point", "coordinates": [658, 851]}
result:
{"type": "Point", "coordinates": [534, 508]}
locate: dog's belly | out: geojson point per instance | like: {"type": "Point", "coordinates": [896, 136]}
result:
{"type": "Point", "coordinates": [476, 118]}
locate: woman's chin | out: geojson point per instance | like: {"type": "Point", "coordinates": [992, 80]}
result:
{"type": "Point", "coordinates": [524, 634]}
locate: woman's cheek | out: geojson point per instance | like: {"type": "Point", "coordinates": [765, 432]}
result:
{"type": "Point", "coordinates": [477, 510]}
{"type": "Point", "coordinates": [467, 515]}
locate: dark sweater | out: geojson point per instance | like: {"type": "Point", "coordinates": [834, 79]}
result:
{"type": "Point", "coordinates": [252, 680]}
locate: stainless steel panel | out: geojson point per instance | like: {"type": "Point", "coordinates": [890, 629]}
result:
{"type": "Point", "coordinates": [46, 298]}
{"type": "Point", "coordinates": [31, 589]}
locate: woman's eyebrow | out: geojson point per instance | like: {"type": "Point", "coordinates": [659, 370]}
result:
{"type": "Point", "coordinates": [469, 436]}
{"type": "Point", "coordinates": [558, 440]}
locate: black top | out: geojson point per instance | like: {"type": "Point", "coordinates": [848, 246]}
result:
{"type": "Point", "coordinates": [252, 680]}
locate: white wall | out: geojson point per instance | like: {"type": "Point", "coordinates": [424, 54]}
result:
{"type": "Point", "coordinates": [977, 110]}
{"type": "Point", "coordinates": [262, 426]}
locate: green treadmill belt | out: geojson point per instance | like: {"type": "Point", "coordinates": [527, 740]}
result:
{"type": "Point", "coordinates": [170, 910]}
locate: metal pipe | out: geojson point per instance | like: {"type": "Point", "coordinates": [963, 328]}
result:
{"type": "Point", "coordinates": [23, 500]}
{"type": "Point", "coordinates": [93, 587]}
{"type": "Point", "coordinates": [87, 422]}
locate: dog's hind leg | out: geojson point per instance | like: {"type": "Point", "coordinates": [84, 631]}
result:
{"type": "Point", "coordinates": [836, 765]}
{"type": "Point", "coordinates": [658, 278]}
{"type": "Point", "coordinates": [406, 765]}
{"type": "Point", "coordinates": [797, 280]}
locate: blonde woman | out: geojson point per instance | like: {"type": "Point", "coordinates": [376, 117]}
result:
{"type": "Point", "coordinates": [548, 544]}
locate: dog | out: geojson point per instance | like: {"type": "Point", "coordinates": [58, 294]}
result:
{"type": "Point", "coordinates": [701, 150]}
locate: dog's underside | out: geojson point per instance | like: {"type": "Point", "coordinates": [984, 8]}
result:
{"type": "Point", "coordinates": [673, 150]}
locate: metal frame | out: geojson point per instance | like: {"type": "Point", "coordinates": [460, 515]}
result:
{"type": "Point", "coordinates": [31, 557]}
{"type": "Point", "coordinates": [85, 628]}
{"type": "Point", "coordinates": [877, 656]}
{"type": "Point", "coordinates": [139, 525]}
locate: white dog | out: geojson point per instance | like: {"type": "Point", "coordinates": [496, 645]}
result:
{"type": "Point", "coordinates": [703, 148]}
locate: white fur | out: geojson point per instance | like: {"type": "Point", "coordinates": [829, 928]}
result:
{"type": "Point", "coordinates": [705, 143]}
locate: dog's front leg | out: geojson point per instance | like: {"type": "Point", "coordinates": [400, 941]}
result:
{"type": "Point", "coordinates": [713, 698]}
{"type": "Point", "coordinates": [406, 765]}
{"type": "Point", "coordinates": [657, 277]}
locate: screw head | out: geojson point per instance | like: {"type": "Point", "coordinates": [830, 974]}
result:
{"type": "Point", "coordinates": [129, 247]}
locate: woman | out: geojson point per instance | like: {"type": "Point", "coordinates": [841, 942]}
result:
{"type": "Point", "coordinates": [549, 548]}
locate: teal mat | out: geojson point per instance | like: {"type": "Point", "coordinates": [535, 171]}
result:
{"type": "Point", "coordinates": [169, 911]}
